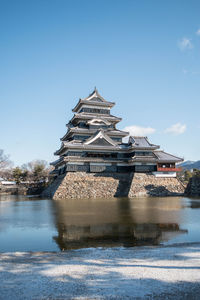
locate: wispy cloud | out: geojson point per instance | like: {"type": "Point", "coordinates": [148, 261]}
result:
{"type": "Point", "coordinates": [176, 129]}
{"type": "Point", "coordinates": [198, 32]}
{"type": "Point", "coordinates": [185, 44]}
{"type": "Point", "coordinates": [188, 72]}
{"type": "Point", "coordinates": [195, 72]}
{"type": "Point", "coordinates": [185, 71]}
{"type": "Point", "coordinates": [139, 131]}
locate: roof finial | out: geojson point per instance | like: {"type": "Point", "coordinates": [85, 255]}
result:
{"type": "Point", "coordinates": [95, 89]}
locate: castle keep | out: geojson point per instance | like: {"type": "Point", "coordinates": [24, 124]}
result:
{"type": "Point", "coordinates": [93, 144]}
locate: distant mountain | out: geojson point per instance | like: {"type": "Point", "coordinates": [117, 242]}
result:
{"type": "Point", "coordinates": [188, 165]}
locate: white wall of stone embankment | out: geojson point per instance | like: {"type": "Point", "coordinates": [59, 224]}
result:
{"type": "Point", "coordinates": [98, 185]}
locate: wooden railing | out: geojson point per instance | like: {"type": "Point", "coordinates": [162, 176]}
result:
{"type": "Point", "coordinates": [169, 169]}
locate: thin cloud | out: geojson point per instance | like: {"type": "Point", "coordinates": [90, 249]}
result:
{"type": "Point", "coordinates": [188, 72]}
{"type": "Point", "coordinates": [195, 72]}
{"type": "Point", "coordinates": [198, 32]}
{"type": "Point", "coordinates": [139, 131]}
{"type": "Point", "coordinates": [185, 44]}
{"type": "Point", "coordinates": [176, 129]}
{"type": "Point", "coordinates": [185, 71]}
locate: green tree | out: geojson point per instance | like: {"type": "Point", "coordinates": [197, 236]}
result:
{"type": "Point", "coordinates": [17, 175]}
{"type": "Point", "coordinates": [24, 174]}
{"type": "Point", "coordinates": [187, 175]}
{"type": "Point", "coordinates": [196, 173]}
{"type": "Point", "coordinates": [37, 170]}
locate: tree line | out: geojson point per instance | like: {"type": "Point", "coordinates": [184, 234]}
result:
{"type": "Point", "coordinates": [185, 175]}
{"type": "Point", "coordinates": [36, 171]}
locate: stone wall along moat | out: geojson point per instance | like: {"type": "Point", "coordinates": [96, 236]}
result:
{"type": "Point", "coordinates": [101, 185]}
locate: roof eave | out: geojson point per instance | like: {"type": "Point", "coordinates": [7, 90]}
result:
{"type": "Point", "coordinates": [112, 119]}
{"type": "Point", "coordinates": [59, 151]}
{"type": "Point", "coordinates": [76, 106]}
{"type": "Point", "coordinates": [121, 134]}
{"type": "Point", "coordinates": [145, 148]}
{"type": "Point", "coordinates": [82, 146]}
{"type": "Point", "coordinates": [90, 102]}
{"type": "Point", "coordinates": [170, 160]}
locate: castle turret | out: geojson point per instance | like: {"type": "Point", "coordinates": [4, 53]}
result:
{"type": "Point", "coordinates": [92, 143]}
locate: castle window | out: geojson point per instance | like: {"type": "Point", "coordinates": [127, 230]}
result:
{"type": "Point", "coordinates": [142, 153]}
{"type": "Point", "coordinates": [95, 110]}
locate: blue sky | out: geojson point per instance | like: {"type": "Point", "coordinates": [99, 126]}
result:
{"type": "Point", "coordinates": [144, 55]}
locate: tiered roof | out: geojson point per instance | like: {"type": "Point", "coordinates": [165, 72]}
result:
{"type": "Point", "coordinates": [93, 99]}
{"type": "Point", "coordinates": [87, 116]}
{"type": "Point", "coordinates": [92, 128]}
{"type": "Point", "coordinates": [166, 157]}
{"type": "Point", "coordinates": [101, 136]}
{"type": "Point", "coordinates": [141, 142]}
{"type": "Point", "coordinates": [109, 132]}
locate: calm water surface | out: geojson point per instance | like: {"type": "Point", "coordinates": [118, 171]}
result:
{"type": "Point", "coordinates": [32, 224]}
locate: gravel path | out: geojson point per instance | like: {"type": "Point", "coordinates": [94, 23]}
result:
{"type": "Point", "coordinates": [114, 273]}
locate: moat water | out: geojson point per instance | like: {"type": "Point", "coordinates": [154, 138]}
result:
{"type": "Point", "coordinates": [35, 224]}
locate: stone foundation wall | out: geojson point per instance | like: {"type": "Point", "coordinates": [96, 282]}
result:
{"type": "Point", "coordinates": [10, 190]}
{"type": "Point", "coordinates": [149, 185]}
{"type": "Point", "coordinates": [22, 189]}
{"type": "Point", "coordinates": [98, 185]}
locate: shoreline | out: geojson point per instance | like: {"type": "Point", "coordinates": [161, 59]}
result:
{"type": "Point", "coordinates": [150, 272]}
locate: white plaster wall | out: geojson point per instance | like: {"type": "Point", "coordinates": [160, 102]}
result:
{"type": "Point", "coordinates": [163, 174]}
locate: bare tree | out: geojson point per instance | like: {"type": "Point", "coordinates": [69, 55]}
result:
{"type": "Point", "coordinates": [5, 166]}
{"type": "Point", "coordinates": [4, 160]}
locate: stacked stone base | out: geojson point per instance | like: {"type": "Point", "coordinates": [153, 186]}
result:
{"type": "Point", "coordinates": [149, 185]}
{"type": "Point", "coordinates": [99, 185]}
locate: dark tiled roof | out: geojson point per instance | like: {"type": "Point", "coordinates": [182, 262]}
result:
{"type": "Point", "coordinates": [144, 159]}
{"type": "Point", "coordinates": [94, 98]}
{"type": "Point", "coordinates": [141, 142]}
{"type": "Point", "coordinates": [109, 132]}
{"type": "Point", "coordinates": [87, 116]}
{"type": "Point", "coordinates": [57, 161]}
{"type": "Point", "coordinates": [163, 156]}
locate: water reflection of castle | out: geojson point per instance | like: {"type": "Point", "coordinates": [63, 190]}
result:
{"type": "Point", "coordinates": [118, 222]}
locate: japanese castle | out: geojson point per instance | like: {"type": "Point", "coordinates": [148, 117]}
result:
{"type": "Point", "coordinates": [93, 144]}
